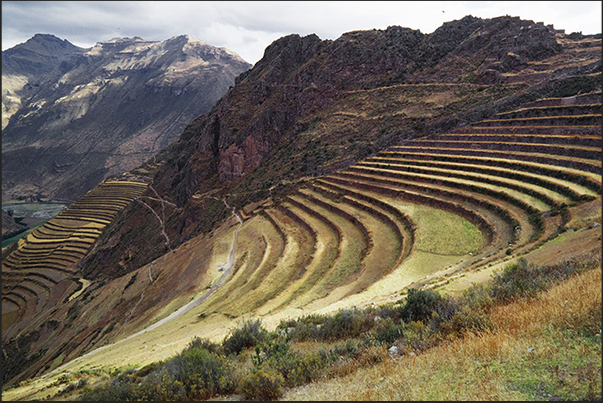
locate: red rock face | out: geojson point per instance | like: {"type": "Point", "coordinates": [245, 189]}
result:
{"type": "Point", "coordinates": [236, 161]}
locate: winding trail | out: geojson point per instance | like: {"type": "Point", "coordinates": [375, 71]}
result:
{"type": "Point", "coordinates": [181, 311]}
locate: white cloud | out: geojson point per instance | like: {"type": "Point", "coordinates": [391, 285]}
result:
{"type": "Point", "coordinates": [247, 28]}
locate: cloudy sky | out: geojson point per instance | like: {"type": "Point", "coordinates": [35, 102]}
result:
{"type": "Point", "coordinates": [248, 27]}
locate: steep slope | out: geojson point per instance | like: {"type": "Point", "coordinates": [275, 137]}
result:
{"type": "Point", "coordinates": [39, 56]}
{"type": "Point", "coordinates": [317, 236]}
{"type": "Point", "coordinates": [309, 107]}
{"type": "Point", "coordinates": [10, 226]}
{"type": "Point", "coordinates": [73, 116]}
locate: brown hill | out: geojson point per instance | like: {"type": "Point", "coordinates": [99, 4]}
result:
{"type": "Point", "coordinates": [309, 107]}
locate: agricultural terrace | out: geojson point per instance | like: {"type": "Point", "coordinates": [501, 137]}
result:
{"type": "Point", "coordinates": [442, 203]}
{"type": "Point", "coordinates": [421, 213]}
{"type": "Point", "coordinates": [50, 254]}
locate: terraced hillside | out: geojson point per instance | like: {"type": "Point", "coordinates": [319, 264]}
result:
{"type": "Point", "coordinates": [44, 267]}
{"type": "Point", "coordinates": [510, 179]}
{"type": "Point", "coordinates": [503, 174]}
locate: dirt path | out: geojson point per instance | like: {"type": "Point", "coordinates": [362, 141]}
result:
{"type": "Point", "coordinates": [181, 311]}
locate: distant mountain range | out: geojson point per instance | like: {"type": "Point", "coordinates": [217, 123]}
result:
{"type": "Point", "coordinates": [73, 116]}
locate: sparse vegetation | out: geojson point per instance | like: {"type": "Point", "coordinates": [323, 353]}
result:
{"type": "Point", "coordinates": [247, 336]}
{"type": "Point", "coordinates": [263, 365]}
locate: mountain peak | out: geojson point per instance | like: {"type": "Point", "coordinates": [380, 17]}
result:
{"type": "Point", "coordinates": [45, 37]}
{"type": "Point", "coordinates": [44, 44]}
{"type": "Point", "coordinates": [184, 39]}
{"type": "Point", "coordinates": [123, 39]}
{"type": "Point", "coordinates": [38, 55]}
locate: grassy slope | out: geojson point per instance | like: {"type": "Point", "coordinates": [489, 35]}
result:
{"type": "Point", "coordinates": [352, 115]}
{"type": "Point", "coordinates": [537, 350]}
{"type": "Point", "coordinates": [399, 376]}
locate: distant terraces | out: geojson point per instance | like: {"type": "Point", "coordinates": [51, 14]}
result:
{"type": "Point", "coordinates": [51, 253]}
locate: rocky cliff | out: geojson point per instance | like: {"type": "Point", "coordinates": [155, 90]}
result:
{"type": "Point", "coordinates": [10, 226]}
{"type": "Point", "coordinates": [73, 116]}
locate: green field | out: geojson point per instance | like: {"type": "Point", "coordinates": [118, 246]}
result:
{"type": "Point", "coordinates": [441, 232]}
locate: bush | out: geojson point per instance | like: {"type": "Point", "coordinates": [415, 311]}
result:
{"type": "Point", "coordinates": [206, 344]}
{"type": "Point", "coordinates": [249, 335]}
{"type": "Point", "coordinates": [345, 323]}
{"type": "Point", "coordinates": [466, 319]}
{"type": "Point", "coordinates": [300, 369]}
{"type": "Point", "coordinates": [201, 373]}
{"type": "Point", "coordinates": [116, 390]}
{"type": "Point", "coordinates": [472, 313]}
{"type": "Point", "coordinates": [524, 280]}
{"type": "Point", "coordinates": [262, 383]}
{"type": "Point", "coordinates": [477, 297]}
{"type": "Point", "coordinates": [388, 331]}
{"type": "Point", "coordinates": [347, 349]}
{"type": "Point", "coordinates": [419, 305]}
{"type": "Point", "coordinates": [516, 280]}
{"type": "Point", "coordinates": [194, 374]}
{"type": "Point", "coordinates": [295, 369]}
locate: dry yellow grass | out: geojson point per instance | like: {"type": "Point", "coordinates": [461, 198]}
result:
{"type": "Point", "coordinates": [480, 367]}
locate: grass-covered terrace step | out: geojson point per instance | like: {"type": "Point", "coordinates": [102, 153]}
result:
{"type": "Point", "coordinates": [452, 169]}
{"type": "Point", "coordinates": [568, 139]}
{"type": "Point", "coordinates": [577, 151]}
{"type": "Point", "coordinates": [580, 164]}
{"type": "Point", "coordinates": [594, 130]}
{"type": "Point", "coordinates": [584, 181]}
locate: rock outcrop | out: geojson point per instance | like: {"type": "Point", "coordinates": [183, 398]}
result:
{"type": "Point", "coordinates": [10, 226]}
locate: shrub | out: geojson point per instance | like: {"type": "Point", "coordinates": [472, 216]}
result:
{"type": "Point", "coordinates": [300, 369]}
{"type": "Point", "coordinates": [194, 374]}
{"type": "Point", "coordinates": [471, 314]}
{"type": "Point", "coordinates": [388, 331]}
{"type": "Point", "coordinates": [147, 369]}
{"type": "Point", "coordinates": [516, 280]}
{"type": "Point", "coordinates": [416, 336]}
{"type": "Point", "coordinates": [419, 305]}
{"type": "Point", "coordinates": [169, 389]}
{"type": "Point", "coordinates": [116, 390]}
{"type": "Point", "coordinates": [524, 280]}
{"type": "Point", "coordinates": [249, 335]}
{"type": "Point", "coordinates": [202, 373]}
{"type": "Point", "coordinates": [348, 348]}
{"type": "Point", "coordinates": [262, 383]}
{"type": "Point", "coordinates": [295, 369]}
{"type": "Point", "coordinates": [345, 323]}
{"type": "Point", "coordinates": [206, 344]}
{"type": "Point", "coordinates": [466, 319]}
